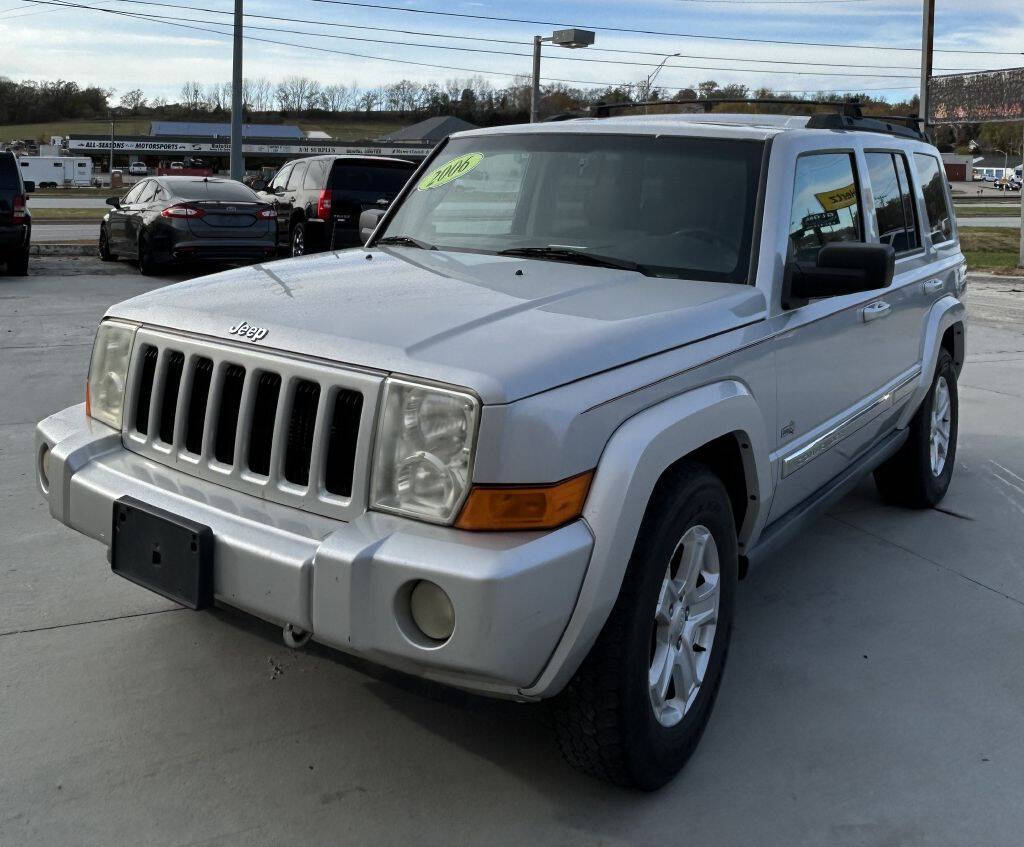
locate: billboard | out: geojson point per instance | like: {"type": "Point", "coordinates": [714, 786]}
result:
{"type": "Point", "coordinates": [976, 97]}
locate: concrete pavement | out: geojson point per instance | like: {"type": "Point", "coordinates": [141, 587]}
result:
{"type": "Point", "coordinates": [874, 694]}
{"type": "Point", "coordinates": [1007, 223]}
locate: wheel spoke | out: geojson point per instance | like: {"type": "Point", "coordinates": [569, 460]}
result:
{"type": "Point", "coordinates": [693, 560]}
{"type": "Point", "coordinates": [668, 600]}
{"type": "Point", "coordinates": [704, 608]}
{"type": "Point", "coordinates": [685, 673]}
{"type": "Point", "coordinates": [661, 673]}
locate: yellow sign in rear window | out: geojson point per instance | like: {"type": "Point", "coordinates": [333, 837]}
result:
{"type": "Point", "coordinates": [450, 170]}
{"type": "Point", "coordinates": [839, 198]}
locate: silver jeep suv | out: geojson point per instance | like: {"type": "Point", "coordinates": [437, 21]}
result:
{"type": "Point", "coordinates": [525, 442]}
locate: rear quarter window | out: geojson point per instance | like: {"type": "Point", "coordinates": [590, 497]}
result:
{"type": "Point", "coordinates": [931, 177]}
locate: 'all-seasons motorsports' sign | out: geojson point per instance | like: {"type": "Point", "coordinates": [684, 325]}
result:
{"type": "Point", "coordinates": [85, 144]}
{"type": "Point", "coordinates": [976, 98]}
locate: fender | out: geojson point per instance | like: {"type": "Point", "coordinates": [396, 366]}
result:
{"type": "Point", "coordinates": [944, 313]}
{"type": "Point", "coordinates": [634, 459]}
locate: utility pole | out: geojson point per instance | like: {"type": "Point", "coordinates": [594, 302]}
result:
{"type": "Point", "coordinates": [535, 85]}
{"type": "Point", "coordinates": [927, 42]}
{"type": "Point", "coordinates": [237, 161]}
{"type": "Point", "coordinates": [1020, 257]}
{"type": "Point", "coordinates": [111, 152]}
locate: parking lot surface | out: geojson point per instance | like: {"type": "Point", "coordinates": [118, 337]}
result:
{"type": "Point", "coordinates": [874, 693]}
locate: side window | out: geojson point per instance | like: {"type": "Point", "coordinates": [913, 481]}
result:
{"type": "Point", "coordinates": [148, 193]}
{"type": "Point", "coordinates": [280, 179]}
{"type": "Point", "coordinates": [826, 204]}
{"type": "Point", "coordinates": [894, 208]}
{"type": "Point", "coordinates": [315, 175]}
{"type": "Point", "coordinates": [134, 195]}
{"type": "Point", "coordinates": [298, 173]}
{"type": "Point", "coordinates": [929, 174]}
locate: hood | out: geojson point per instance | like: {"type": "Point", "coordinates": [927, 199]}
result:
{"type": "Point", "coordinates": [504, 327]}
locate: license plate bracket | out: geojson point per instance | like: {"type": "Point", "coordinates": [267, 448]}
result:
{"type": "Point", "coordinates": [164, 552]}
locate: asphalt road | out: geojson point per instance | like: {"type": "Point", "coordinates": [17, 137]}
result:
{"type": "Point", "coordinates": [65, 233]}
{"type": "Point", "coordinates": [874, 694]}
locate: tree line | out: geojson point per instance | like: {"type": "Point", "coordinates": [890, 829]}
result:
{"type": "Point", "coordinates": [473, 98]}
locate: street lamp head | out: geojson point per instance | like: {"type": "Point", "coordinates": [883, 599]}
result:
{"type": "Point", "coordinates": [572, 38]}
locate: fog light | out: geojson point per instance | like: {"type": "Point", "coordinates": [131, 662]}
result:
{"type": "Point", "coordinates": [432, 611]}
{"type": "Point", "coordinates": [44, 469]}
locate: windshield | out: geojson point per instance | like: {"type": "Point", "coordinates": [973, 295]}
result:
{"type": "Point", "coordinates": [671, 206]}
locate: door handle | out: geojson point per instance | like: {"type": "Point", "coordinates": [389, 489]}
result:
{"type": "Point", "coordinates": [874, 311]}
{"type": "Point", "coordinates": [933, 286]}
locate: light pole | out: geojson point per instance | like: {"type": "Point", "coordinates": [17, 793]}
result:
{"type": "Point", "coordinates": [571, 38]}
{"type": "Point", "coordinates": [237, 162]}
{"type": "Point", "coordinates": [111, 152]}
{"type": "Point", "coordinates": [653, 75]}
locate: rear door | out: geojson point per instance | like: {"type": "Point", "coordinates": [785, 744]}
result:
{"type": "Point", "coordinates": [938, 224]}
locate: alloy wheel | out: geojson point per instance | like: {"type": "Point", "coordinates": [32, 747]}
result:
{"type": "Point", "coordinates": [940, 427]}
{"type": "Point", "coordinates": [685, 621]}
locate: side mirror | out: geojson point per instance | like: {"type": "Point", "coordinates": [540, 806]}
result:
{"type": "Point", "coordinates": [258, 185]}
{"type": "Point", "coordinates": [30, 186]}
{"type": "Point", "coordinates": [114, 201]}
{"type": "Point", "coordinates": [840, 268]}
{"type": "Point", "coordinates": [368, 221]}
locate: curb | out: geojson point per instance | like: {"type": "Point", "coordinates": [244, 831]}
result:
{"type": "Point", "coordinates": [47, 249]}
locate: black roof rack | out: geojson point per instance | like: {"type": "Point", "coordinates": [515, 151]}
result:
{"type": "Point", "coordinates": [847, 115]}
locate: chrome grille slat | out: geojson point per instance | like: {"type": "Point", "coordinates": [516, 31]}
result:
{"type": "Point", "coordinates": [200, 357]}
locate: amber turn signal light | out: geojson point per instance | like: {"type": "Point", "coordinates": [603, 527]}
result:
{"type": "Point", "coordinates": [496, 507]}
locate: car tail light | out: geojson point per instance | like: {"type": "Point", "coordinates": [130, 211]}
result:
{"type": "Point", "coordinates": [18, 207]}
{"type": "Point", "coordinates": [182, 211]}
{"type": "Point", "coordinates": [323, 205]}
{"type": "Point", "coordinates": [267, 213]}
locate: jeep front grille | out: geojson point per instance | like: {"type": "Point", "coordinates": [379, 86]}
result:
{"type": "Point", "coordinates": [287, 430]}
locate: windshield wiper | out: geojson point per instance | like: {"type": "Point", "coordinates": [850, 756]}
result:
{"type": "Point", "coordinates": [404, 241]}
{"type": "Point", "coordinates": [578, 256]}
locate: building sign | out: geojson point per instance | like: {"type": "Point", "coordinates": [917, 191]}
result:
{"type": "Point", "coordinates": [976, 98]}
{"type": "Point", "coordinates": [820, 219]}
{"type": "Point", "coordinates": [838, 198]}
{"type": "Point", "coordinates": [209, 146]}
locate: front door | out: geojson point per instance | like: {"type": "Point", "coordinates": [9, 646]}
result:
{"type": "Point", "coordinates": [838, 357]}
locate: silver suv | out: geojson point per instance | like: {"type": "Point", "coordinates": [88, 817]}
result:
{"type": "Point", "coordinates": [581, 378]}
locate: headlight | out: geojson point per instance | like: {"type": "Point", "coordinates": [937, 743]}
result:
{"type": "Point", "coordinates": [108, 370]}
{"type": "Point", "coordinates": [424, 451]}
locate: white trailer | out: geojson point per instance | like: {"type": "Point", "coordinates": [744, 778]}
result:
{"type": "Point", "coordinates": [56, 171]}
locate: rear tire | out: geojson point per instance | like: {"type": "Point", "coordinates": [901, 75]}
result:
{"type": "Point", "coordinates": [637, 707]}
{"type": "Point", "coordinates": [918, 476]}
{"type": "Point", "coordinates": [298, 239]}
{"type": "Point", "coordinates": [17, 263]}
{"type": "Point", "coordinates": [104, 247]}
{"type": "Point", "coordinates": [147, 265]}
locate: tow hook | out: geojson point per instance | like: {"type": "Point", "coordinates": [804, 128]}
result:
{"type": "Point", "coordinates": [295, 637]}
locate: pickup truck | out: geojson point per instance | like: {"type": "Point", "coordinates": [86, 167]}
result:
{"type": "Point", "coordinates": [527, 440]}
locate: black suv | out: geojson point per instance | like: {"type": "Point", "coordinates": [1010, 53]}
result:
{"type": "Point", "coordinates": [319, 199]}
{"type": "Point", "coordinates": [15, 220]}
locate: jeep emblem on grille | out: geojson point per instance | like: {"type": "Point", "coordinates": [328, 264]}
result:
{"type": "Point", "coordinates": [248, 331]}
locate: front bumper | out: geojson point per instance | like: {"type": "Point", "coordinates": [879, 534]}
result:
{"type": "Point", "coordinates": [513, 593]}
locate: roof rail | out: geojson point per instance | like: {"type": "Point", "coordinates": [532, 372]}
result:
{"type": "Point", "coordinates": [847, 115]}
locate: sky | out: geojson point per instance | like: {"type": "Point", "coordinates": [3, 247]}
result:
{"type": "Point", "coordinates": [119, 52]}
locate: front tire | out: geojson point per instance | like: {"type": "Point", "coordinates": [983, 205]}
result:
{"type": "Point", "coordinates": [104, 247]}
{"type": "Point", "coordinates": [918, 476]}
{"type": "Point", "coordinates": [637, 707]}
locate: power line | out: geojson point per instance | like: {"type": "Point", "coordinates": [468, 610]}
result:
{"type": "Point", "coordinates": [152, 19]}
{"type": "Point", "coordinates": [553, 57]}
{"type": "Point", "coordinates": [152, 16]}
{"type": "Point", "coordinates": [365, 5]}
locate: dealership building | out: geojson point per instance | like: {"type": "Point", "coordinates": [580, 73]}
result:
{"type": "Point", "coordinates": [263, 145]}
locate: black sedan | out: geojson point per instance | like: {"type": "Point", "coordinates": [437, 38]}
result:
{"type": "Point", "coordinates": [178, 219]}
